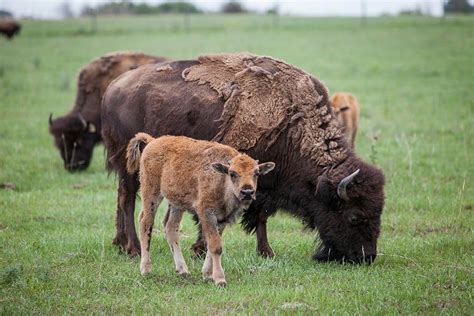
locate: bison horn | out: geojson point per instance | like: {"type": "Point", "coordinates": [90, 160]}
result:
{"type": "Point", "coordinates": [50, 119]}
{"type": "Point", "coordinates": [83, 121]}
{"type": "Point", "coordinates": [342, 186]}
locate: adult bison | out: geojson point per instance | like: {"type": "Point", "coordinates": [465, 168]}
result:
{"type": "Point", "coordinates": [270, 110]}
{"type": "Point", "coordinates": [9, 27]}
{"type": "Point", "coordinates": [77, 133]}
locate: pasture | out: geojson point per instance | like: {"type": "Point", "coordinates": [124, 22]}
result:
{"type": "Point", "coordinates": [414, 80]}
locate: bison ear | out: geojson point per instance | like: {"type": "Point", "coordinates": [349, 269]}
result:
{"type": "Point", "coordinates": [323, 189]}
{"type": "Point", "coordinates": [266, 167]}
{"type": "Point", "coordinates": [220, 167]}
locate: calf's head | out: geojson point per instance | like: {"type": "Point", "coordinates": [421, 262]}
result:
{"type": "Point", "coordinates": [349, 221]}
{"type": "Point", "coordinates": [339, 108]}
{"type": "Point", "coordinates": [75, 138]}
{"type": "Point", "coordinates": [243, 173]}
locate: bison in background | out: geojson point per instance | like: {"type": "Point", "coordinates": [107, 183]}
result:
{"type": "Point", "coordinates": [9, 27]}
{"type": "Point", "coordinates": [347, 110]}
{"type": "Point", "coordinates": [267, 109]}
{"type": "Point", "coordinates": [76, 133]}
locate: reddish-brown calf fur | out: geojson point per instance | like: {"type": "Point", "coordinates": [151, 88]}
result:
{"type": "Point", "coordinates": [211, 180]}
{"type": "Point", "coordinates": [346, 107]}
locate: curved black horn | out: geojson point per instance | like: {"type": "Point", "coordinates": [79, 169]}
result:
{"type": "Point", "coordinates": [50, 119]}
{"type": "Point", "coordinates": [81, 118]}
{"type": "Point", "coordinates": [341, 187]}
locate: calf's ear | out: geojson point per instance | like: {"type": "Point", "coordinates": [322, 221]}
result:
{"type": "Point", "coordinates": [266, 167]}
{"type": "Point", "coordinates": [220, 167]}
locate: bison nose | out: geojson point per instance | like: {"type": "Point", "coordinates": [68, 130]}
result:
{"type": "Point", "coordinates": [247, 192]}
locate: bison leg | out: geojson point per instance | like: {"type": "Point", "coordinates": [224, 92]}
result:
{"type": "Point", "coordinates": [120, 238]}
{"type": "Point", "coordinates": [126, 236]}
{"type": "Point", "coordinates": [133, 245]}
{"type": "Point", "coordinates": [263, 247]}
{"type": "Point", "coordinates": [255, 219]}
{"type": "Point", "coordinates": [199, 247]}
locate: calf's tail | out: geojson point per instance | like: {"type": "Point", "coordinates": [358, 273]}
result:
{"type": "Point", "coordinates": [134, 151]}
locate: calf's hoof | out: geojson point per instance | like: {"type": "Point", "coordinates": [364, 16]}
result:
{"type": "Point", "coordinates": [207, 276]}
{"type": "Point", "coordinates": [183, 273]}
{"type": "Point", "coordinates": [199, 248]}
{"type": "Point", "coordinates": [145, 268]}
{"type": "Point", "coordinates": [220, 283]}
{"type": "Point", "coordinates": [265, 251]}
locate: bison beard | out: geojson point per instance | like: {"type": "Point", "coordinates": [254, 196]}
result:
{"type": "Point", "coordinates": [270, 110]}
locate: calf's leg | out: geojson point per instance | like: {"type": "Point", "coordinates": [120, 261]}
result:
{"type": "Point", "coordinates": [214, 246]}
{"type": "Point", "coordinates": [150, 202]}
{"type": "Point", "coordinates": [199, 247]}
{"type": "Point", "coordinates": [172, 235]}
{"type": "Point", "coordinates": [207, 266]}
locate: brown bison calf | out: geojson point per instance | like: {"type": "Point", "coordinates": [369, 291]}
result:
{"type": "Point", "coordinates": [346, 108]}
{"type": "Point", "coordinates": [211, 180]}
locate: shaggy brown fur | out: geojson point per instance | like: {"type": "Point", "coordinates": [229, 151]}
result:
{"type": "Point", "coordinates": [211, 180]}
{"type": "Point", "coordinates": [9, 27]}
{"type": "Point", "coordinates": [346, 108]}
{"type": "Point", "coordinates": [77, 132]}
{"type": "Point", "coordinates": [299, 132]}
{"type": "Point", "coordinates": [263, 97]}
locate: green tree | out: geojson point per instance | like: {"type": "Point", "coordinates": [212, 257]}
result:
{"type": "Point", "coordinates": [458, 6]}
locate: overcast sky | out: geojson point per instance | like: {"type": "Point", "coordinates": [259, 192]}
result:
{"type": "Point", "coordinates": [49, 8]}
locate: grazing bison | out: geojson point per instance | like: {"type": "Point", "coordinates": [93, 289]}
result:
{"type": "Point", "coordinates": [267, 109]}
{"type": "Point", "coordinates": [346, 108]}
{"type": "Point", "coordinates": [9, 28]}
{"type": "Point", "coordinates": [211, 180]}
{"type": "Point", "coordinates": [76, 133]}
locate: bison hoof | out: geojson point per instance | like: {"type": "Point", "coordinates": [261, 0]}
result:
{"type": "Point", "coordinates": [199, 248]}
{"type": "Point", "coordinates": [120, 240]}
{"type": "Point", "coordinates": [132, 250]}
{"type": "Point", "coordinates": [265, 251]}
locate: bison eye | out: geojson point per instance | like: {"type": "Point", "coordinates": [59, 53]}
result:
{"type": "Point", "coordinates": [354, 220]}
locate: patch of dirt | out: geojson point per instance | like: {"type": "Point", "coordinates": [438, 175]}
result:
{"type": "Point", "coordinates": [78, 186]}
{"type": "Point", "coordinates": [43, 219]}
{"type": "Point", "coordinates": [8, 186]}
{"type": "Point", "coordinates": [423, 231]}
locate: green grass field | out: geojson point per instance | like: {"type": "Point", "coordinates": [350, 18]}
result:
{"type": "Point", "coordinates": [414, 79]}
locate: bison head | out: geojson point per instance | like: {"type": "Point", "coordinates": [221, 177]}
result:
{"type": "Point", "coordinates": [75, 138]}
{"type": "Point", "coordinates": [350, 209]}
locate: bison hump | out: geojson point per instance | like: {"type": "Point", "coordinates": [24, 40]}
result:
{"type": "Point", "coordinates": [264, 97]}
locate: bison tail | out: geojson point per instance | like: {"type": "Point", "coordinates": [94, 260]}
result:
{"type": "Point", "coordinates": [134, 151]}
